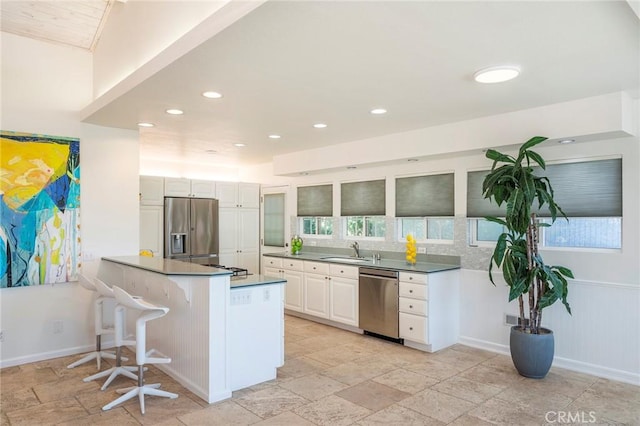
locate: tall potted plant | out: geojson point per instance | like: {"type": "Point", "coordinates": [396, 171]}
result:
{"type": "Point", "coordinates": [513, 181]}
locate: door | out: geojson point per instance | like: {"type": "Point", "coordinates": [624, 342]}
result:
{"type": "Point", "coordinates": [344, 300]}
{"type": "Point", "coordinates": [274, 220]}
{"type": "Point", "coordinates": [316, 295]}
{"type": "Point", "coordinates": [204, 227]}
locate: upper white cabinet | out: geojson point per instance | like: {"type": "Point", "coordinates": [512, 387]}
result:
{"type": "Point", "coordinates": [151, 190]}
{"type": "Point", "coordinates": [234, 194]}
{"type": "Point", "coordinates": [180, 187]}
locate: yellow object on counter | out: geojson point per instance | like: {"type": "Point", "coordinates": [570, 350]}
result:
{"type": "Point", "coordinates": [411, 252]}
{"type": "Point", "coordinates": [146, 253]}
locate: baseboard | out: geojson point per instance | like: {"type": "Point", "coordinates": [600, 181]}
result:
{"type": "Point", "coordinates": [43, 356]}
{"type": "Point", "coordinates": [197, 390]}
{"type": "Point", "coordinates": [324, 321]}
{"type": "Point", "coordinates": [568, 364]}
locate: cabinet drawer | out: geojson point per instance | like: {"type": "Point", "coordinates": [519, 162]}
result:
{"type": "Point", "coordinates": [413, 306]}
{"type": "Point", "coordinates": [414, 328]}
{"type": "Point", "coordinates": [272, 262]}
{"type": "Point", "coordinates": [414, 291]}
{"type": "Point", "coordinates": [343, 271]}
{"type": "Point", "coordinates": [293, 264]}
{"type": "Point", "coordinates": [412, 277]}
{"type": "Point", "coordinates": [316, 267]}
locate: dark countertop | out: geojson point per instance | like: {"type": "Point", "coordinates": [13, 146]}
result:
{"type": "Point", "coordinates": [166, 266]}
{"type": "Point", "coordinates": [392, 264]}
{"type": "Point", "coordinates": [256, 279]}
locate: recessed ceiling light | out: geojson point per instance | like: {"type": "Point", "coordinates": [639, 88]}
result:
{"type": "Point", "coordinates": [411, 160]}
{"type": "Point", "coordinates": [211, 151]}
{"type": "Point", "coordinates": [174, 111]}
{"type": "Point", "coordinates": [239, 145]}
{"type": "Point", "coordinates": [319, 125]}
{"type": "Point", "coordinates": [212, 95]}
{"type": "Point", "coordinates": [351, 167]}
{"type": "Point", "coordinates": [274, 136]}
{"type": "Point", "coordinates": [143, 124]}
{"type": "Point", "coordinates": [304, 173]}
{"type": "Point", "coordinates": [496, 74]}
{"type": "Point", "coordinates": [378, 111]}
{"type": "Point", "coordinates": [566, 141]}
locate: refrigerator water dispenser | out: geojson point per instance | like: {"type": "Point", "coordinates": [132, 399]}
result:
{"type": "Point", "coordinates": [178, 243]}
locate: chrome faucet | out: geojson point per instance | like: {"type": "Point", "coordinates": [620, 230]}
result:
{"type": "Point", "coordinates": [356, 248]}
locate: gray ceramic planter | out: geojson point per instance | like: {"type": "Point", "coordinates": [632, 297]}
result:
{"type": "Point", "coordinates": [532, 354]}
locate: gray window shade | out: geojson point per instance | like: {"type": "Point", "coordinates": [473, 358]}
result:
{"type": "Point", "coordinates": [363, 198]}
{"type": "Point", "coordinates": [315, 200]}
{"type": "Point", "coordinates": [584, 189]}
{"type": "Point", "coordinates": [274, 220]}
{"type": "Point", "coordinates": [425, 196]}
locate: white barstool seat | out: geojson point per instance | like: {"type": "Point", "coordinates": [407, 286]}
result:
{"type": "Point", "coordinates": [149, 312]}
{"type": "Point", "coordinates": [119, 320]}
{"type": "Point", "coordinates": [100, 328]}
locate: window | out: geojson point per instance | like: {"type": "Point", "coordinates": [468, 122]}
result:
{"type": "Point", "coordinates": [314, 226]}
{"type": "Point", "coordinates": [593, 206]}
{"type": "Point", "coordinates": [365, 226]}
{"type": "Point", "coordinates": [421, 203]}
{"type": "Point", "coordinates": [273, 220]}
{"type": "Point", "coordinates": [426, 229]}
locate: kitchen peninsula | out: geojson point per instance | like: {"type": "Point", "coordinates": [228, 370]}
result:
{"type": "Point", "coordinates": [216, 324]}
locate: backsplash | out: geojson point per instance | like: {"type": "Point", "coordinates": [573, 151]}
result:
{"type": "Point", "coordinates": [470, 257]}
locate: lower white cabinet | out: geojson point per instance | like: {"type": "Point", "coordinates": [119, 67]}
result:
{"type": "Point", "coordinates": [290, 270]}
{"type": "Point", "coordinates": [343, 304]}
{"type": "Point", "coordinates": [152, 229]}
{"type": "Point", "coordinates": [428, 305]}
{"type": "Point", "coordinates": [316, 295]}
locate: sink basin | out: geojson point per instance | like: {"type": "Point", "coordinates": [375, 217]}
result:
{"type": "Point", "coordinates": [346, 259]}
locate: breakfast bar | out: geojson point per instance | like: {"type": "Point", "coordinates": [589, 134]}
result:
{"type": "Point", "coordinates": [214, 325]}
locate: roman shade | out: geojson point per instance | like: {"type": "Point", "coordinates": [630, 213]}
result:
{"type": "Point", "coordinates": [421, 196]}
{"type": "Point", "coordinates": [363, 198]}
{"type": "Point", "coordinates": [315, 200]}
{"type": "Point", "coordinates": [581, 189]}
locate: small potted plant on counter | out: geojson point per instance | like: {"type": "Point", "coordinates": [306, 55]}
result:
{"type": "Point", "coordinates": [513, 181]}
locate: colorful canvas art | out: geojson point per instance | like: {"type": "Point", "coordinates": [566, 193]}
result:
{"type": "Point", "coordinates": [40, 202]}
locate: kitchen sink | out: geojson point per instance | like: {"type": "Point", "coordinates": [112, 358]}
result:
{"type": "Point", "coordinates": [346, 259]}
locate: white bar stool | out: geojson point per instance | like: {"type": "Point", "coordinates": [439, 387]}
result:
{"type": "Point", "coordinates": [149, 312]}
{"type": "Point", "coordinates": [120, 321]}
{"type": "Point", "coordinates": [100, 328]}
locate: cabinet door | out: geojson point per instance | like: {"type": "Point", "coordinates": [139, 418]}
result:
{"type": "Point", "coordinates": [151, 229]}
{"type": "Point", "coordinates": [248, 229]}
{"type": "Point", "coordinates": [248, 260]}
{"type": "Point", "coordinates": [344, 300]}
{"type": "Point", "coordinates": [203, 189]}
{"type": "Point", "coordinates": [228, 233]}
{"type": "Point", "coordinates": [249, 195]}
{"type": "Point", "coordinates": [227, 194]}
{"type": "Point", "coordinates": [293, 290]}
{"type": "Point", "coordinates": [177, 187]}
{"type": "Point", "coordinates": [151, 190]}
{"type": "Point", "coordinates": [316, 295]}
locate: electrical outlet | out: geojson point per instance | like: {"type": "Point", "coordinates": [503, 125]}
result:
{"type": "Point", "coordinates": [267, 294]}
{"type": "Point", "coordinates": [514, 320]}
{"type": "Point", "coordinates": [57, 326]}
{"type": "Point", "coordinates": [422, 250]}
{"type": "Point", "coordinates": [1, 336]}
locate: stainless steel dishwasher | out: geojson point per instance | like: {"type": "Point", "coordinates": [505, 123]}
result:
{"type": "Point", "coordinates": [378, 297]}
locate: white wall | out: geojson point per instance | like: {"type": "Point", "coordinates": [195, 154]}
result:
{"type": "Point", "coordinates": [43, 87]}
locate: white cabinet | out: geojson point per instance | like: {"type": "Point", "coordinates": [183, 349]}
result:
{"type": "Point", "coordinates": [343, 304]}
{"type": "Point", "coordinates": [239, 241]}
{"type": "Point", "coordinates": [180, 187]}
{"type": "Point", "coordinates": [428, 306]}
{"type": "Point", "coordinates": [151, 229]}
{"type": "Point", "coordinates": [316, 289]}
{"type": "Point", "coordinates": [291, 271]}
{"type": "Point", "coordinates": [234, 194]}
{"type": "Point", "coordinates": [151, 191]}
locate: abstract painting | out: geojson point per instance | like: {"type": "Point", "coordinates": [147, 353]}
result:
{"type": "Point", "coordinates": [40, 209]}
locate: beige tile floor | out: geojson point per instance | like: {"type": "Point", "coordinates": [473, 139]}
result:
{"type": "Point", "coordinates": [334, 377]}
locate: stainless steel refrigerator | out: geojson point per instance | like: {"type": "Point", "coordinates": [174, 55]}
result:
{"type": "Point", "coordinates": [191, 230]}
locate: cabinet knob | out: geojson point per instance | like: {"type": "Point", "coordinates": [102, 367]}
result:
{"type": "Point", "coordinates": [410, 278]}
{"type": "Point", "coordinates": [410, 291]}
{"type": "Point", "coordinates": [342, 272]}
{"type": "Point", "coordinates": [410, 306]}
{"type": "Point", "coordinates": [411, 328]}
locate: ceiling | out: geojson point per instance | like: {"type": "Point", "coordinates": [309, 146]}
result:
{"type": "Point", "coordinates": [288, 64]}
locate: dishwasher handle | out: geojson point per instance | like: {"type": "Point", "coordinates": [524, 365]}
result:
{"type": "Point", "coordinates": [378, 273]}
